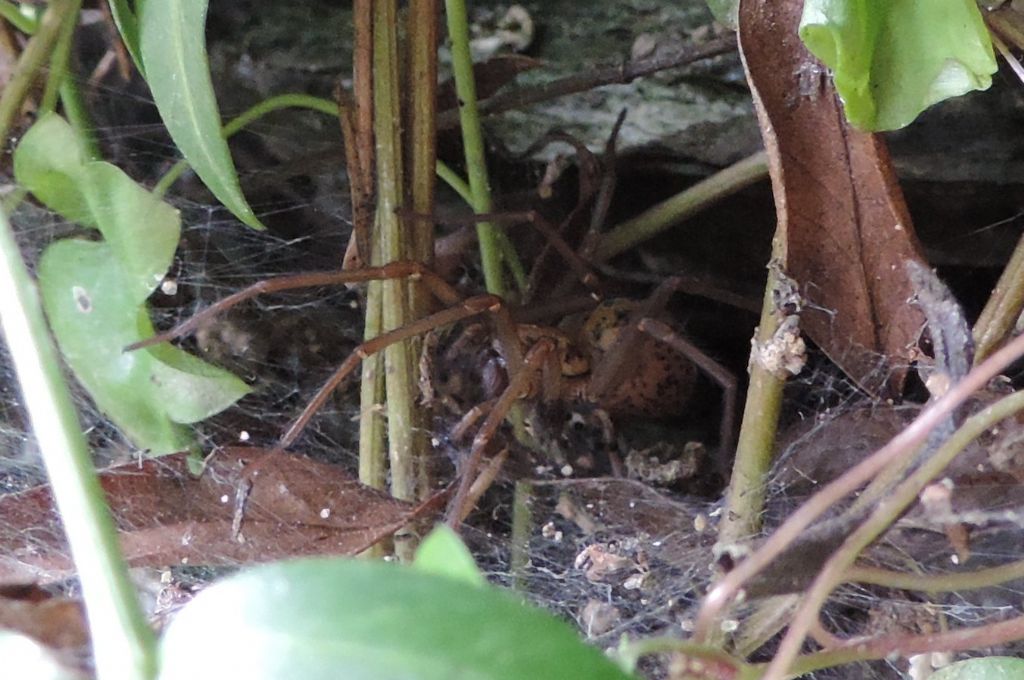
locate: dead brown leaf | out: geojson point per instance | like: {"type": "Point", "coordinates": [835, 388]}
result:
{"type": "Point", "coordinates": [846, 229]}
{"type": "Point", "coordinates": [166, 516]}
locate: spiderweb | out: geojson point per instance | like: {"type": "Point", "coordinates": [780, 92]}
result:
{"type": "Point", "coordinates": [617, 557]}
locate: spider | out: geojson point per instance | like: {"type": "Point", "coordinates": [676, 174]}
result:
{"type": "Point", "coordinates": [623, 359]}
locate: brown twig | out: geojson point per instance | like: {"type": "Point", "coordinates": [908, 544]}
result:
{"type": "Point", "coordinates": [588, 80]}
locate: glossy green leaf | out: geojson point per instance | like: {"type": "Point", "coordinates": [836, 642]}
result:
{"type": "Point", "coordinates": [988, 668]}
{"type": "Point", "coordinates": [892, 59]}
{"type": "Point", "coordinates": [443, 553]}
{"type": "Point", "coordinates": [128, 26]}
{"type": "Point", "coordinates": [47, 162]}
{"type": "Point", "coordinates": [361, 620]}
{"type": "Point", "coordinates": [173, 50]}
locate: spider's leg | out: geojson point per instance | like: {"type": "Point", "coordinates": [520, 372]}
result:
{"type": "Point", "coordinates": [518, 386]}
{"type": "Point", "coordinates": [471, 307]}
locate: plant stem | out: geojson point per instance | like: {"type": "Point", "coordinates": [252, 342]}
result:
{"type": "Point", "coordinates": [421, 150]}
{"type": "Point", "coordinates": [395, 243]}
{"type": "Point", "coordinates": [282, 101]}
{"type": "Point", "coordinates": [674, 210]}
{"type": "Point", "coordinates": [38, 50]}
{"type": "Point", "coordinates": [123, 644]}
{"type": "Point", "coordinates": [491, 251]}
{"type": "Point", "coordinates": [62, 82]}
{"type": "Point", "coordinates": [887, 510]}
{"type": "Point", "coordinates": [1003, 307]}
{"type": "Point", "coordinates": [13, 14]}
{"type": "Point", "coordinates": [756, 444]}
{"type": "Point", "coordinates": [937, 583]}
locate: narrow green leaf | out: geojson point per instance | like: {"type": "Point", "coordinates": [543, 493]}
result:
{"type": "Point", "coordinates": [986, 668]}
{"type": "Point", "coordinates": [443, 553]}
{"type": "Point", "coordinates": [47, 162]}
{"type": "Point", "coordinates": [892, 59]}
{"type": "Point", "coordinates": [360, 620]}
{"type": "Point", "coordinates": [128, 26]}
{"type": "Point", "coordinates": [173, 49]}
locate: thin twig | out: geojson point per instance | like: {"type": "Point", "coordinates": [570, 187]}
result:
{"type": "Point", "coordinates": [820, 503]}
{"type": "Point", "coordinates": [590, 79]}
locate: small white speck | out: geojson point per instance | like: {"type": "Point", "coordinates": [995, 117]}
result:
{"type": "Point", "coordinates": [955, 559]}
{"type": "Point", "coordinates": [435, 442]}
{"type": "Point", "coordinates": [243, 436]}
{"type": "Point", "coordinates": [325, 513]}
{"type": "Point", "coordinates": [224, 498]}
{"type": "Point", "coordinates": [566, 470]}
{"type": "Point", "coordinates": [184, 560]}
{"type": "Point", "coordinates": [169, 287]}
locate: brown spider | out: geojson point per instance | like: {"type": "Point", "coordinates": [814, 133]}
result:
{"type": "Point", "coordinates": [623, 360]}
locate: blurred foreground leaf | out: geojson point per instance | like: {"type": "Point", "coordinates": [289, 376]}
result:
{"type": "Point", "coordinates": [360, 620]}
{"type": "Point", "coordinates": [443, 553]}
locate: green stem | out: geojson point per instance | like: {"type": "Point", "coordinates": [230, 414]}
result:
{"type": "Point", "coordinates": [32, 60]}
{"type": "Point", "coordinates": [461, 187]}
{"type": "Point", "coordinates": [1003, 307]}
{"type": "Point", "coordinates": [674, 210]}
{"type": "Point", "coordinates": [491, 251]}
{"type": "Point", "coordinates": [58, 64]}
{"type": "Point", "coordinates": [62, 83]}
{"type": "Point", "coordinates": [756, 444]}
{"type": "Point", "coordinates": [281, 101]}
{"type": "Point", "coordinates": [937, 583]}
{"type": "Point", "coordinates": [123, 644]}
{"type": "Point", "coordinates": [13, 14]}
{"type": "Point", "coordinates": [394, 244]}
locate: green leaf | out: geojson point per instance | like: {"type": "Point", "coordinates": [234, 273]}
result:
{"type": "Point", "coordinates": [95, 309]}
{"type": "Point", "coordinates": [725, 12]}
{"type": "Point", "coordinates": [187, 388]}
{"type": "Point", "coordinates": [361, 620]}
{"type": "Point", "coordinates": [988, 668]}
{"type": "Point", "coordinates": [94, 293]}
{"type": "Point", "coordinates": [94, 312]}
{"type": "Point", "coordinates": [128, 26]}
{"type": "Point", "coordinates": [892, 59]}
{"type": "Point", "coordinates": [173, 49]}
{"type": "Point", "coordinates": [443, 553]}
{"type": "Point", "coordinates": [47, 162]}
{"type": "Point", "coordinates": [142, 230]}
